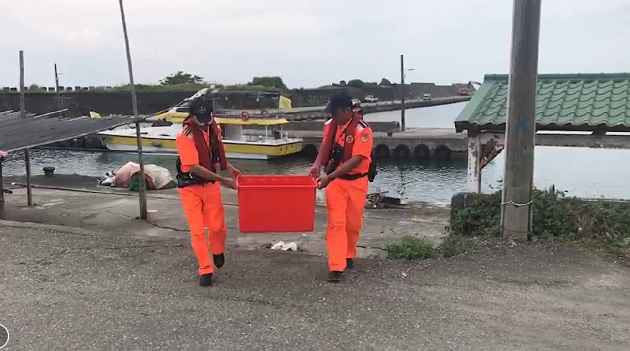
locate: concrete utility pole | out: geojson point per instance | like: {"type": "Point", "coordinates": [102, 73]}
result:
{"type": "Point", "coordinates": [402, 93]}
{"type": "Point", "coordinates": [59, 105]}
{"type": "Point", "coordinates": [516, 212]}
{"type": "Point", "coordinates": [142, 186]}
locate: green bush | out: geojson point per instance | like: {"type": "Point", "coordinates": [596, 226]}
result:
{"type": "Point", "coordinates": [600, 224]}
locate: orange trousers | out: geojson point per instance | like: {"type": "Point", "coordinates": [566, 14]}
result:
{"type": "Point", "coordinates": [203, 207]}
{"type": "Point", "coordinates": [345, 200]}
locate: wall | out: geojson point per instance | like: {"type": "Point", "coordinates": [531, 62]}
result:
{"type": "Point", "coordinates": [119, 102]}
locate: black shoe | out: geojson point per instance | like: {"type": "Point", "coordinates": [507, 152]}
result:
{"type": "Point", "coordinates": [334, 276]}
{"type": "Point", "coordinates": [219, 260]}
{"type": "Point", "coordinates": [205, 279]}
{"type": "Point", "coordinates": [349, 262]}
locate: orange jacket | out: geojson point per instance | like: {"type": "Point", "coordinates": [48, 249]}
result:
{"type": "Point", "coordinates": [357, 142]}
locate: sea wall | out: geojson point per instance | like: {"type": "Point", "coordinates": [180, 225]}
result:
{"type": "Point", "coordinates": [119, 102]}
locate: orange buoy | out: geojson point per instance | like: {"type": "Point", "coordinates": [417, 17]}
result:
{"type": "Point", "coordinates": [245, 116]}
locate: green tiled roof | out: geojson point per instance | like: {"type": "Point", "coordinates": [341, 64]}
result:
{"type": "Point", "coordinates": [575, 102]}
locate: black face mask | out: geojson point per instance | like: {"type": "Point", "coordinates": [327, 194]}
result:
{"type": "Point", "coordinates": [202, 109]}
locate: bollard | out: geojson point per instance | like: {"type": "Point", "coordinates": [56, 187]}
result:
{"type": "Point", "coordinates": [49, 171]}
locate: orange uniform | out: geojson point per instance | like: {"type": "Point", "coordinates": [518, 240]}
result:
{"type": "Point", "coordinates": [346, 199]}
{"type": "Point", "coordinates": [202, 205]}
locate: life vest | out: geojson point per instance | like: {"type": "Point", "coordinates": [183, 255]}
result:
{"type": "Point", "coordinates": [209, 157]}
{"type": "Point", "coordinates": [334, 154]}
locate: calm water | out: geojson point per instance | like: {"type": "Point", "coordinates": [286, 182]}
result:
{"type": "Point", "coordinates": [582, 172]}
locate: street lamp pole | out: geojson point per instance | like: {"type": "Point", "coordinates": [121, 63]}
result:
{"type": "Point", "coordinates": [59, 105]}
{"type": "Point", "coordinates": [402, 93]}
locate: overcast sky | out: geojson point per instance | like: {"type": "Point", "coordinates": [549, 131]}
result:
{"type": "Point", "coordinates": [307, 42]}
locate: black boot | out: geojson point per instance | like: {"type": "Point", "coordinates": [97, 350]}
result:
{"type": "Point", "coordinates": [334, 276]}
{"type": "Point", "coordinates": [205, 279]}
{"type": "Point", "coordinates": [349, 262]}
{"type": "Point", "coordinates": [219, 260]}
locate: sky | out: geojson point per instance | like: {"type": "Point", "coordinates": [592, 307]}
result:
{"type": "Point", "coordinates": [309, 43]}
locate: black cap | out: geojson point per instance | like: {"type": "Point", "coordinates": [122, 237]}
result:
{"type": "Point", "coordinates": [339, 100]}
{"type": "Point", "coordinates": [202, 109]}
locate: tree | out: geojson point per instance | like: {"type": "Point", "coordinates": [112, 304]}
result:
{"type": "Point", "coordinates": [181, 78]}
{"type": "Point", "coordinates": [270, 82]}
{"type": "Point", "coordinates": [343, 83]}
{"type": "Point", "coordinates": [385, 82]}
{"type": "Point", "coordinates": [356, 83]}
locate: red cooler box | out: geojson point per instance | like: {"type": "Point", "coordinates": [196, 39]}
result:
{"type": "Point", "coordinates": [273, 203]}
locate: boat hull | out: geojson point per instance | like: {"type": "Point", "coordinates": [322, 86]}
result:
{"type": "Point", "coordinates": [233, 149]}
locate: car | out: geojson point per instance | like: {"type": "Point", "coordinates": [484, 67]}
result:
{"type": "Point", "coordinates": [370, 98]}
{"type": "Point", "coordinates": [426, 96]}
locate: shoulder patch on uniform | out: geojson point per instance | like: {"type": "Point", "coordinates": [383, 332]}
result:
{"type": "Point", "coordinates": [365, 138]}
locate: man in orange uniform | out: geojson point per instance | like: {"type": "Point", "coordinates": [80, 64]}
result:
{"type": "Point", "coordinates": [346, 154]}
{"type": "Point", "coordinates": [201, 155]}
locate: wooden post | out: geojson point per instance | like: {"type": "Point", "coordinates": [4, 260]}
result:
{"type": "Point", "coordinates": [474, 158]}
{"type": "Point", "coordinates": [516, 213]}
{"type": "Point", "coordinates": [142, 186]}
{"type": "Point", "coordinates": [402, 93]}
{"type": "Point", "coordinates": [27, 158]}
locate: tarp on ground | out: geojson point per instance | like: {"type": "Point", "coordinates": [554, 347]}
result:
{"type": "Point", "coordinates": [157, 177]}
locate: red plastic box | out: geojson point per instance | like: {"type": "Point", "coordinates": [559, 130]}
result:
{"type": "Point", "coordinates": [274, 203]}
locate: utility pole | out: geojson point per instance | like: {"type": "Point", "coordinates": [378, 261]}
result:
{"type": "Point", "coordinates": [27, 154]}
{"type": "Point", "coordinates": [516, 210]}
{"type": "Point", "coordinates": [142, 186]}
{"type": "Point", "coordinates": [402, 93]}
{"type": "Point", "coordinates": [59, 105]}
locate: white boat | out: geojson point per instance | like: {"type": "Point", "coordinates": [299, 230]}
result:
{"type": "Point", "coordinates": [239, 143]}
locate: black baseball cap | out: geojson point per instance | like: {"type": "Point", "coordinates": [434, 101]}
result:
{"type": "Point", "coordinates": [202, 108]}
{"type": "Point", "coordinates": [339, 100]}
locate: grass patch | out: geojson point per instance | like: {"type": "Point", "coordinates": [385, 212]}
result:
{"type": "Point", "coordinates": [415, 248]}
{"type": "Point", "coordinates": [456, 245]}
{"type": "Point", "coordinates": [411, 248]}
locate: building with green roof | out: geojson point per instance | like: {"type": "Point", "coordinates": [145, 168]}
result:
{"type": "Point", "coordinates": [588, 105]}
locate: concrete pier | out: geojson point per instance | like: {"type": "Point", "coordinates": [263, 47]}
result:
{"type": "Point", "coordinates": [77, 201]}
{"type": "Point", "coordinates": [315, 113]}
{"type": "Point", "coordinates": [424, 143]}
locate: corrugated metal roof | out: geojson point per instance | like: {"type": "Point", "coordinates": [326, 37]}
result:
{"type": "Point", "coordinates": [572, 102]}
{"type": "Point", "coordinates": [18, 133]}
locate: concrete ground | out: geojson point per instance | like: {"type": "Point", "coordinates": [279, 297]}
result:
{"type": "Point", "coordinates": [73, 289]}
{"type": "Point", "coordinates": [114, 210]}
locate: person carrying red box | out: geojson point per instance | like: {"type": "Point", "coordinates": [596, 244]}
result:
{"type": "Point", "coordinates": [346, 154]}
{"type": "Point", "coordinates": [201, 156]}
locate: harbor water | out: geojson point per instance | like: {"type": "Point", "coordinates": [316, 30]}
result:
{"type": "Point", "coordinates": [580, 171]}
